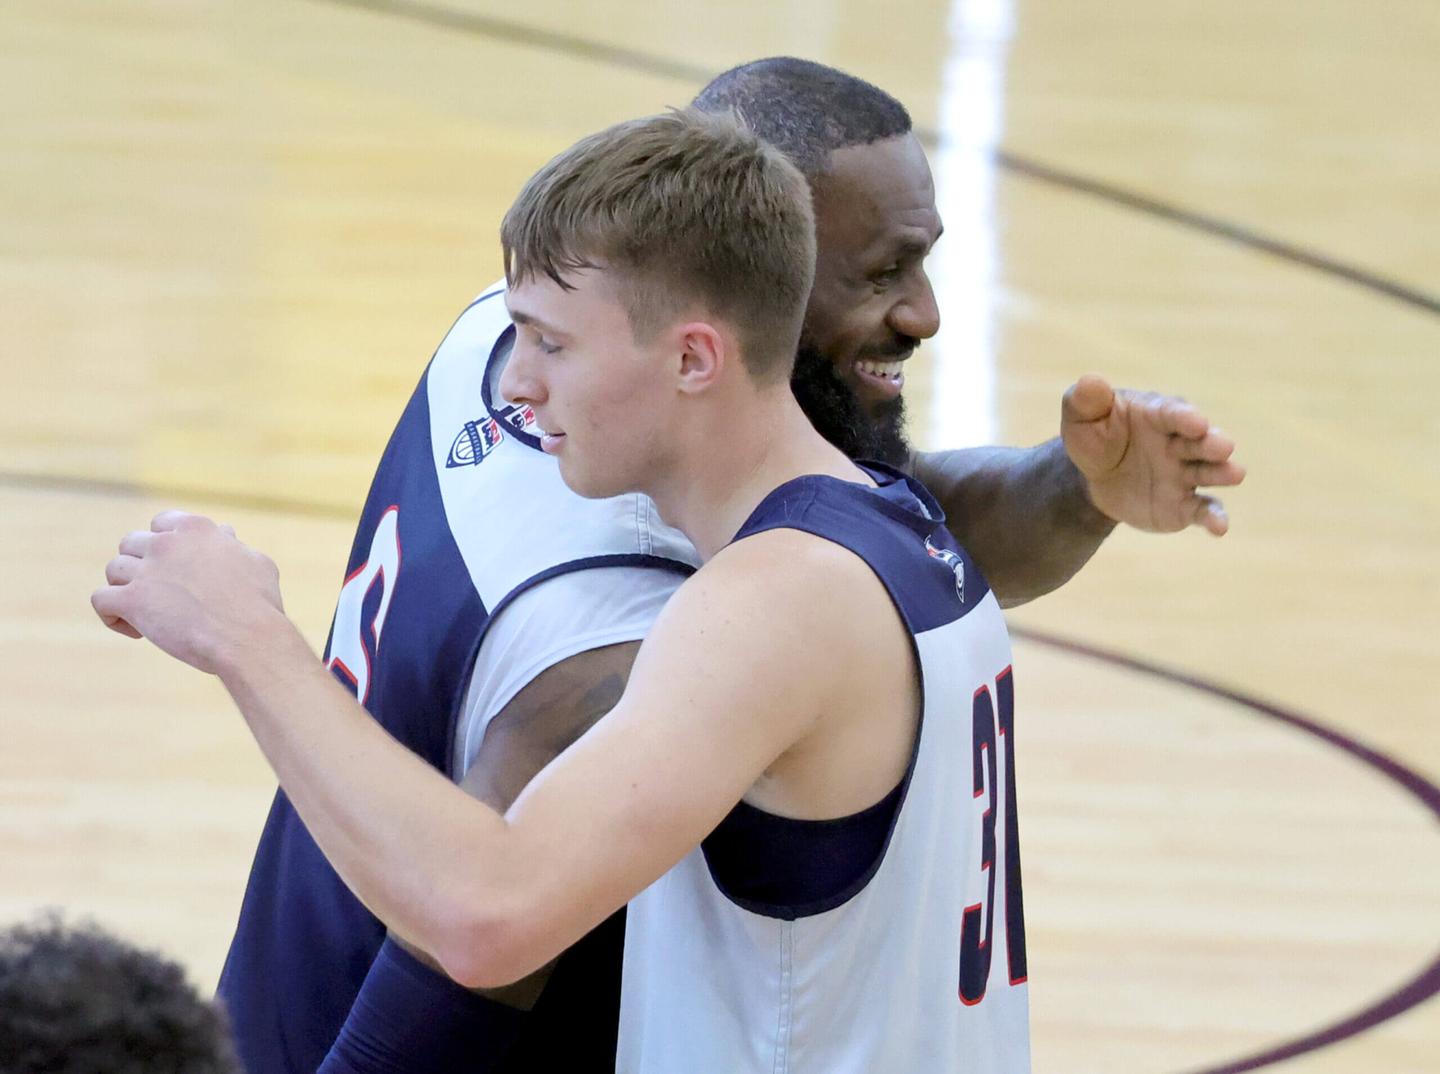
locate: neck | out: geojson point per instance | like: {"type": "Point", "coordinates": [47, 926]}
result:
{"type": "Point", "coordinates": [727, 466]}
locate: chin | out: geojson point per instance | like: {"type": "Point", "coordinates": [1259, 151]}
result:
{"type": "Point", "coordinates": [590, 486]}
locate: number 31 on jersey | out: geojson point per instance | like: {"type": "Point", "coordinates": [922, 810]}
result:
{"type": "Point", "coordinates": [994, 744]}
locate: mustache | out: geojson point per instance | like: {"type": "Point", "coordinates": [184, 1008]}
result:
{"type": "Point", "coordinates": [900, 348]}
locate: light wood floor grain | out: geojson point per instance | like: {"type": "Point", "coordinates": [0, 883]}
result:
{"type": "Point", "coordinates": [230, 237]}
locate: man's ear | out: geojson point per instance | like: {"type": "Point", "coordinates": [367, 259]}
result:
{"type": "Point", "coordinates": [704, 352]}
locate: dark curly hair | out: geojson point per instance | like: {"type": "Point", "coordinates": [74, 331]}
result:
{"type": "Point", "coordinates": [76, 1000]}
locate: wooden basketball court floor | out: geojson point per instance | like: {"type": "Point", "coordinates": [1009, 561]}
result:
{"type": "Point", "coordinates": [231, 235]}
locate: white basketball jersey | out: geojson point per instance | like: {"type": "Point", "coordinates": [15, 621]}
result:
{"type": "Point", "coordinates": [920, 968]}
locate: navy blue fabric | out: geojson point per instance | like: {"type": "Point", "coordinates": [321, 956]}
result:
{"type": "Point", "coordinates": [411, 1019]}
{"type": "Point", "coordinates": [304, 943]}
{"type": "Point", "coordinates": [897, 528]}
{"type": "Point", "coordinates": [787, 867]}
{"type": "Point", "coordinates": [575, 1025]}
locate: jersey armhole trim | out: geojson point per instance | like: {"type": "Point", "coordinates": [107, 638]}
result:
{"type": "Point", "coordinates": [793, 911]}
{"type": "Point", "coordinates": [624, 559]}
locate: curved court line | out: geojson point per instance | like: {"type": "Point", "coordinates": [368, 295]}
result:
{"type": "Point", "coordinates": [1220, 228]}
{"type": "Point", "coordinates": [518, 33]}
{"type": "Point", "coordinates": [1426, 983]}
{"type": "Point", "coordinates": [1423, 986]}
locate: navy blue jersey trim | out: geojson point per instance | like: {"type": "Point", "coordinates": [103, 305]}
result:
{"type": "Point", "coordinates": [791, 911]}
{"type": "Point", "coordinates": [503, 416]}
{"type": "Point", "coordinates": [826, 507]}
{"type": "Point", "coordinates": [790, 507]}
{"type": "Point", "coordinates": [621, 559]}
{"type": "Point", "coordinates": [804, 862]}
{"type": "Point", "coordinates": [454, 324]}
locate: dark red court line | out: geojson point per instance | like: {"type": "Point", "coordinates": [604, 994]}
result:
{"type": "Point", "coordinates": [1426, 983]}
{"type": "Point", "coordinates": [1423, 986]}
{"type": "Point", "coordinates": [573, 45]}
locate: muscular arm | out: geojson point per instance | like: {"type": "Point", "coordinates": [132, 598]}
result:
{"type": "Point", "coordinates": [1024, 514]}
{"type": "Point", "coordinates": [409, 1015]}
{"type": "Point", "coordinates": [539, 723]}
{"type": "Point", "coordinates": [1032, 517]}
{"type": "Point", "coordinates": [542, 720]}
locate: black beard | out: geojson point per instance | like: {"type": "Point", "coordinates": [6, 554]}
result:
{"type": "Point", "coordinates": [838, 416]}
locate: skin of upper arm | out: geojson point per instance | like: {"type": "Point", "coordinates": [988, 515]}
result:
{"type": "Point", "coordinates": [1023, 514]}
{"type": "Point", "coordinates": [548, 714]}
{"type": "Point", "coordinates": [738, 669]}
{"type": "Point", "coordinates": [964, 483]}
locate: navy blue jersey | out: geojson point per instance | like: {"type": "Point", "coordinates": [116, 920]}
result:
{"type": "Point", "coordinates": [465, 512]}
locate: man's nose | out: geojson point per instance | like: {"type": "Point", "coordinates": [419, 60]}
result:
{"type": "Point", "coordinates": [520, 382]}
{"type": "Point", "coordinates": [916, 314]}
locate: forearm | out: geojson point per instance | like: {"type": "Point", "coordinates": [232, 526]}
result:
{"type": "Point", "coordinates": [404, 839]}
{"type": "Point", "coordinates": [1023, 514]}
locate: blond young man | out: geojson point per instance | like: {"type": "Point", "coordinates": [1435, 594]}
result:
{"type": "Point", "coordinates": [827, 666]}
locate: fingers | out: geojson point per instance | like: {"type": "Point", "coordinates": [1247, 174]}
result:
{"type": "Point", "coordinates": [1214, 474]}
{"type": "Point", "coordinates": [1209, 513]}
{"type": "Point", "coordinates": [1089, 399]}
{"type": "Point", "coordinates": [1179, 418]}
{"type": "Point", "coordinates": [166, 521]}
{"type": "Point", "coordinates": [108, 604]}
{"type": "Point", "coordinates": [1214, 446]}
{"type": "Point", "coordinates": [136, 543]}
{"type": "Point", "coordinates": [122, 570]}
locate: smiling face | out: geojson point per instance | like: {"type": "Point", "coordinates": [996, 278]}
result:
{"type": "Point", "coordinates": [599, 394]}
{"type": "Point", "coordinates": [872, 304]}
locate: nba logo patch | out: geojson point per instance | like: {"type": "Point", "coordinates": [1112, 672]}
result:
{"type": "Point", "coordinates": [954, 562]}
{"type": "Point", "coordinates": [476, 440]}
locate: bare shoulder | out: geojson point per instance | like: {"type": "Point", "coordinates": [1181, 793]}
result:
{"type": "Point", "coordinates": [809, 576]}
{"type": "Point", "coordinates": [776, 604]}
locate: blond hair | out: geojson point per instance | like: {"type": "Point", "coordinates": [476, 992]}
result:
{"type": "Point", "coordinates": [688, 208]}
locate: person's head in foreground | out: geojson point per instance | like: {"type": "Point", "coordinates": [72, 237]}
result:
{"type": "Point", "coordinates": [76, 1000]}
{"type": "Point", "coordinates": [658, 273]}
{"type": "Point", "coordinates": [875, 222]}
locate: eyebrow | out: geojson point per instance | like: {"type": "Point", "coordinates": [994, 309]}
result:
{"type": "Point", "coordinates": [521, 317]}
{"type": "Point", "coordinates": [910, 246]}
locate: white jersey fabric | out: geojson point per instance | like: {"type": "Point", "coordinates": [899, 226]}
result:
{"type": "Point", "coordinates": [529, 543]}
{"type": "Point", "coordinates": [559, 618]}
{"type": "Point", "coordinates": [464, 516]}
{"type": "Point", "coordinates": [920, 970]}
{"type": "Point", "coordinates": [513, 518]}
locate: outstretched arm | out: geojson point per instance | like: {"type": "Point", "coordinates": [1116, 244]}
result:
{"type": "Point", "coordinates": [1023, 514]}
{"type": "Point", "coordinates": [1032, 517]}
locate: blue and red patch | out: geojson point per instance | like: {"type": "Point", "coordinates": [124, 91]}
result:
{"type": "Point", "coordinates": [476, 440]}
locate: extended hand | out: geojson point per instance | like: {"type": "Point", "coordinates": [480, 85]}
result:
{"type": "Point", "coordinates": [1144, 457]}
{"type": "Point", "coordinates": [191, 588]}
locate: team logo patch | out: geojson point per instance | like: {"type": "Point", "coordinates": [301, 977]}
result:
{"type": "Point", "coordinates": [954, 562]}
{"type": "Point", "coordinates": [518, 417]}
{"type": "Point", "coordinates": [476, 440]}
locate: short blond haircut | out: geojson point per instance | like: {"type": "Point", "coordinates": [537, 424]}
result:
{"type": "Point", "coordinates": [688, 208]}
